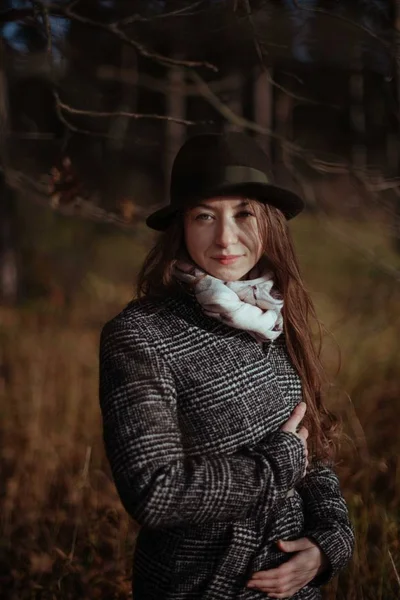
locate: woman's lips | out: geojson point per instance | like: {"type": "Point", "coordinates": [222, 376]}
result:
{"type": "Point", "coordinates": [227, 261]}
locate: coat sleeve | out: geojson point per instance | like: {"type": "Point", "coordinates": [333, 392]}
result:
{"type": "Point", "coordinates": [158, 484]}
{"type": "Point", "coordinates": [326, 519]}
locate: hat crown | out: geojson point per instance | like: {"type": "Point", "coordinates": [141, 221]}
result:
{"type": "Point", "coordinates": [210, 152]}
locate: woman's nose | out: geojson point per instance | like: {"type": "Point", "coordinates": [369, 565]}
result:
{"type": "Point", "coordinates": [226, 234]}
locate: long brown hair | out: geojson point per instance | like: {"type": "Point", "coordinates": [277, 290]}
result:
{"type": "Point", "coordinates": [156, 279]}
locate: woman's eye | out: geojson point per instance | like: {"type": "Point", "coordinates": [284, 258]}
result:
{"type": "Point", "coordinates": [246, 212]}
{"type": "Point", "coordinates": [202, 215]}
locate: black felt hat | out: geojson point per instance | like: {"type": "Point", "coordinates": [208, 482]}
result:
{"type": "Point", "coordinates": [231, 164]}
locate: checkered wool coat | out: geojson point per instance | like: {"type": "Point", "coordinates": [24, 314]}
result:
{"type": "Point", "coordinates": [191, 414]}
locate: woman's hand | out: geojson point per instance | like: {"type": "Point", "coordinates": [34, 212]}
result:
{"type": "Point", "coordinates": [294, 574]}
{"type": "Point", "coordinates": [292, 424]}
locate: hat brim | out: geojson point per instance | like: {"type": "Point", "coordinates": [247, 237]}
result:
{"type": "Point", "coordinates": [285, 200]}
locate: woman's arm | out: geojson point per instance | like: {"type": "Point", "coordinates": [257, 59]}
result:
{"type": "Point", "coordinates": [327, 520]}
{"type": "Point", "coordinates": [158, 484]}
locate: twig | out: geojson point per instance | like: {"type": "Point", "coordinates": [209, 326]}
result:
{"type": "Point", "coordinates": [85, 470]}
{"type": "Point", "coordinates": [101, 134]}
{"type": "Point", "coordinates": [394, 567]}
{"type": "Point", "coordinates": [106, 114]}
{"type": "Point", "coordinates": [83, 483]}
{"type": "Point", "coordinates": [180, 12]}
{"type": "Point", "coordinates": [324, 166]}
{"type": "Point", "coordinates": [222, 108]}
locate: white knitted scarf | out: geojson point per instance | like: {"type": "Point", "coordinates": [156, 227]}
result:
{"type": "Point", "coordinates": [253, 305]}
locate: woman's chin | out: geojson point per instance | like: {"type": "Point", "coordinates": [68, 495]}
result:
{"type": "Point", "coordinates": [227, 272]}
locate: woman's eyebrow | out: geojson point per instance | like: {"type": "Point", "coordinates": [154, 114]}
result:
{"type": "Point", "coordinates": [242, 203]}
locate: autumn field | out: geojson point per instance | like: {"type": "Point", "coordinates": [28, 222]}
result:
{"type": "Point", "coordinates": [63, 532]}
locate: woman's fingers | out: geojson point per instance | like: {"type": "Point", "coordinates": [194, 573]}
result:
{"type": "Point", "coordinates": [293, 423]}
{"type": "Point", "coordinates": [294, 420]}
{"type": "Point", "coordinates": [294, 574]}
{"type": "Point", "coordinates": [303, 433]}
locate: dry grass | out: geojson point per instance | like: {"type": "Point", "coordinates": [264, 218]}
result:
{"type": "Point", "coordinates": [63, 531]}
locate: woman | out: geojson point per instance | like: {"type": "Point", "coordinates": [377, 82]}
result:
{"type": "Point", "coordinates": [204, 382]}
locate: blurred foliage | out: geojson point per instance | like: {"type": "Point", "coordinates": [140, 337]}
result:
{"type": "Point", "coordinates": [61, 257]}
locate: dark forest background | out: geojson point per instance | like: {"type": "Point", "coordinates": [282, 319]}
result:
{"type": "Point", "coordinates": [96, 96]}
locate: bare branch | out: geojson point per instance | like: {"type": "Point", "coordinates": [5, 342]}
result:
{"type": "Point", "coordinates": [111, 28]}
{"type": "Point", "coordinates": [261, 53]}
{"type": "Point", "coordinates": [44, 13]}
{"type": "Point", "coordinates": [324, 166]}
{"type": "Point", "coordinates": [346, 20]}
{"type": "Point", "coordinates": [141, 48]}
{"type": "Point", "coordinates": [73, 127]}
{"type": "Point", "coordinates": [394, 568]}
{"type": "Point", "coordinates": [333, 167]}
{"type": "Point", "coordinates": [224, 110]}
{"type": "Point", "coordinates": [181, 12]}
{"type": "Point", "coordinates": [99, 114]}
{"type": "Point", "coordinates": [381, 185]}
{"type": "Point", "coordinates": [81, 207]}
{"type": "Point", "coordinates": [163, 86]}
{"type": "Point", "coordinates": [61, 106]}
{"type": "Point", "coordinates": [114, 29]}
{"type": "Point", "coordinates": [239, 121]}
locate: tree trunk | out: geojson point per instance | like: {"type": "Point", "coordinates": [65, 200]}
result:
{"type": "Point", "coordinates": [283, 126]}
{"type": "Point", "coordinates": [176, 107]}
{"type": "Point", "coordinates": [8, 258]}
{"type": "Point", "coordinates": [128, 100]}
{"type": "Point", "coordinates": [263, 106]}
{"type": "Point", "coordinates": [396, 44]}
{"type": "Point", "coordinates": [357, 111]}
{"type": "Point", "coordinates": [234, 101]}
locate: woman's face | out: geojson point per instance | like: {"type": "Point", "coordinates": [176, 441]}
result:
{"type": "Point", "coordinates": [223, 227]}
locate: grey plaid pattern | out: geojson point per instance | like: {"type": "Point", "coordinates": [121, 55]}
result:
{"type": "Point", "coordinates": [191, 414]}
